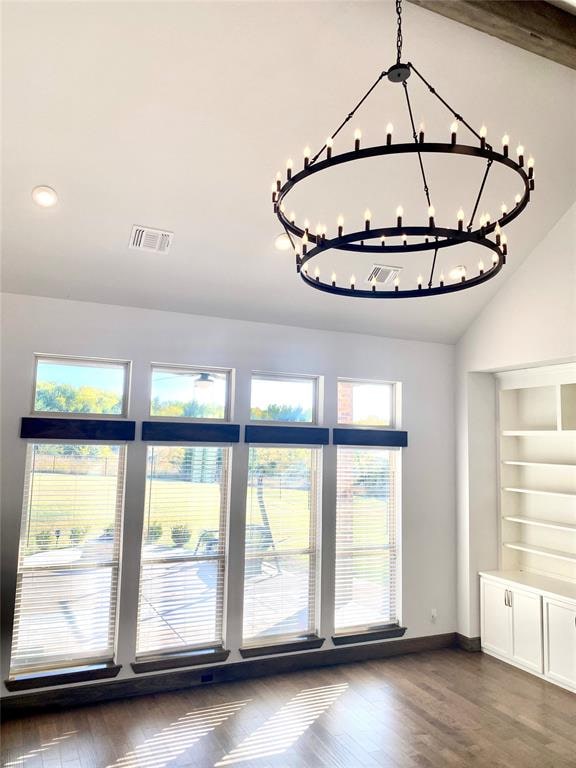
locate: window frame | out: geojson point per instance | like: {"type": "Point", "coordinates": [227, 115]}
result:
{"type": "Point", "coordinates": [313, 551]}
{"type": "Point", "coordinates": [317, 397]}
{"type": "Point", "coordinates": [96, 362]}
{"type": "Point", "coordinates": [396, 404]}
{"type": "Point", "coordinates": [222, 559]}
{"type": "Point", "coordinates": [184, 367]}
{"type": "Point", "coordinates": [362, 629]}
{"type": "Point", "coordinates": [115, 564]}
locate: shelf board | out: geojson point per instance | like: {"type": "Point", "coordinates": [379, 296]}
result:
{"type": "Point", "coordinates": [538, 432]}
{"type": "Point", "coordinates": [541, 523]}
{"type": "Point", "coordinates": [538, 463]}
{"type": "Point", "coordinates": [534, 550]}
{"type": "Point", "coordinates": [540, 493]}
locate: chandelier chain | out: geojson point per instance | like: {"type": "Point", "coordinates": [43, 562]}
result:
{"type": "Point", "coordinates": [399, 31]}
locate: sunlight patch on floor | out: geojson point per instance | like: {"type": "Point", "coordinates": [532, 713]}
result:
{"type": "Point", "coordinates": [173, 740]}
{"type": "Point", "coordinates": [22, 759]}
{"type": "Point", "coordinates": [284, 728]}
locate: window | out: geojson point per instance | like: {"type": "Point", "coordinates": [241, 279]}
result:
{"type": "Point", "coordinates": [366, 403]}
{"type": "Point", "coordinates": [281, 561]}
{"type": "Point", "coordinates": [284, 398]}
{"type": "Point", "coordinates": [78, 385]}
{"type": "Point", "coordinates": [366, 554]}
{"type": "Point", "coordinates": [183, 549]}
{"type": "Point", "coordinates": [192, 393]}
{"type": "Point", "coordinates": [65, 612]}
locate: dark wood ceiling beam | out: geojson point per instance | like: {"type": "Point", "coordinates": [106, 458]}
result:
{"type": "Point", "coordinates": [535, 26]}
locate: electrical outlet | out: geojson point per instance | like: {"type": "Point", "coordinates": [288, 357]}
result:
{"type": "Point", "coordinates": [433, 615]}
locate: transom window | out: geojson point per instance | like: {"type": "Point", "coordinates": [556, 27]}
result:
{"type": "Point", "coordinates": [366, 403]}
{"type": "Point", "coordinates": [76, 385]}
{"type": "Point", "coordinates": [190, 392]}
{"type": "Point", "coordinates": [281, 398]}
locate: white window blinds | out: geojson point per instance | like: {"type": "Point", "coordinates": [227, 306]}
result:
{"type": "Point", "coordinates": [66, 595]}
{"type": "Point", "coordinates": [183, 549]}
{"type": "Point", "coordinates": [281, 561]}
{"type": "Point", "coordinates": [366, 546]}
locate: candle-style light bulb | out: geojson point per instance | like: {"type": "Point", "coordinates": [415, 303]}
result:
{"type": "Point", "coordinates": [504, 248]}
{"type": "Point", "coordinates": [517, 199]}
{"type": "Point", "coordinates": [494, 259]}
{"type": "Point", "coordinates": [329, 145]}
{"type": "Point", "coordinates": [373, 284]}
{"type": "Point", "coordinates": [340, 225]}
{"type": "Point", "coordinates": [419, 282]}
{"type": "Point", "coordinates": [483, 134]}
{"type": "Point", "coordinates": [382, 241]}
{"type": "Point", "coordinates": [505, 144]}
{"type": "Point", "coordinates": [352, 281]}
{"type": "Point", "coordinates": [333, 279]}
{"type": "Point", "coordinates": [530, 167]}
{"type": "Point", "coordinates": [481, 267]}
{"type": "Point", "coordinates": [460, 216]}
{"type": "Point", "coordinates": [520, 153]}
{"type": "Point", "coordinates": [504, 209]}
{"type": "Point", "coordinates": [453, 131]}
{"type": "Point", "coordinates": [441, 279]}
{"type": "Point", "coordinates": [389, 132]}
{"type": "Point", "coordinates": [421, 133]}
{"type": "Point", "coordinates": [307, 153]}
{"type": "Point", "coordinates": [404, 240]}
{"type": "Point", "coordinates": [498, 233]}
{"type": "Point", "coordinates": [463, 274]}
{"type": "Point", "coordinates": [396, 283]}
{"type": "Point", "coordinates": [367, 217]}
{"type": "Point", "coordinates": [399, 214]}
{"type": "Point", "coordinates": [431, 214]}
{"type": "Point", "coordinates": [488, 218]}
{"type": "Point", "coordinates": [273, 190]}
{"type": "Point", "coordinates": [289, 166]}
{"type": "Point", "coordinates": [292, 217]}
{"type": "Point", "coordinates": [357, 137]}
{"type": "Point", "coordinates": [317, 274]}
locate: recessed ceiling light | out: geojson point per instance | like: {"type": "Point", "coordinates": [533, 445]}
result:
{"type": "Point", "coordinates": [458, 272]}
{"type": "Point", "coordinates": [45, 197]}
{"type": "Point", "coordinates": [282, 242]}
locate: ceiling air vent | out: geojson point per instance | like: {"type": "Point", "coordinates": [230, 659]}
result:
{"type": "Point", "coordinates": [148, 239]}
{"type": "Point", "coordinates": [383, 274]}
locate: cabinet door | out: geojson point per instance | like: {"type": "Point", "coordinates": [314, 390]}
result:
{"type": "Point", "coordinates": [560, 642]}
{"type": "Point", "coordinates": [526, 629]}
{"type": "Point", "coordinates": [496, 618]}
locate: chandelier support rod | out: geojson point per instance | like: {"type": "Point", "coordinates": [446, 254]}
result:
{"type": "Point", "coordinates": [423, 172]}
{"type": "Point", "coordinates": [448, 107]}
{"type": "Point", "coordinates": [350, 115]}
{"type": "Point", "coordinates": [479, 195]}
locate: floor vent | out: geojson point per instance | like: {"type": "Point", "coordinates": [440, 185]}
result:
{"type": "Point", "coordinates": [383, 274]}
{"type": "Point", "coordinates": [148, 239]}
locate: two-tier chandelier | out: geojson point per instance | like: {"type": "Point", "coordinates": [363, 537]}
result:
{"type": "Point", "coordinates": [403, 237]}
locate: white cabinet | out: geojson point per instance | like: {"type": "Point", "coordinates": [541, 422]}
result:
{"type": "Point", "coordinates": [530, 621]}
{"type": "Point", "coordinates": [512, 623]}
{"type": "Point", "coordinates": [496, 618]}
{"type": "Point", "coordinates": [526, 609]}
{"type": "Point", "coordinates": [560, 642]}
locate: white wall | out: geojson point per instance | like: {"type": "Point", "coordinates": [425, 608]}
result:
{"type": "Point", "coordinates": [426, 370]}
{"type": "Point", "coordinates": [530, 321]}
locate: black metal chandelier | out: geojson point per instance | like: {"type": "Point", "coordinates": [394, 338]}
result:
{"type": "Point", "coordinates": [395, 239]}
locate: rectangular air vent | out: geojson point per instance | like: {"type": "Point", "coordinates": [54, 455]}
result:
{"type": "Point", "coordinates": [148, 239]}
{"type": "Point", "coordinates": [383, 274]}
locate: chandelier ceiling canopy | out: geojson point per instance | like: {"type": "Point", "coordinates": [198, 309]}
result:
{"type": "Point", "coordinates": [402, 239]}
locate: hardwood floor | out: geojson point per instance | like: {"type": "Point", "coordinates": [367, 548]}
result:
{"type": "Point", "coordinates": [431, 710]}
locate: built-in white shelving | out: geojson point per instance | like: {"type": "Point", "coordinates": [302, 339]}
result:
{"type": "Point", "coordinates": [539, 492]}
{"type": "Point", "coordinates": [537, 410]}
{"type": "Point", "coordinates": [540, 522]}
{"type": "Point", "coordinates": [546, 551]}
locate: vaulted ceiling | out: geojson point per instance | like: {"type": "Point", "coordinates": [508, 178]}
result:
{"type": "Point", "coordinates": [177, 115]}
